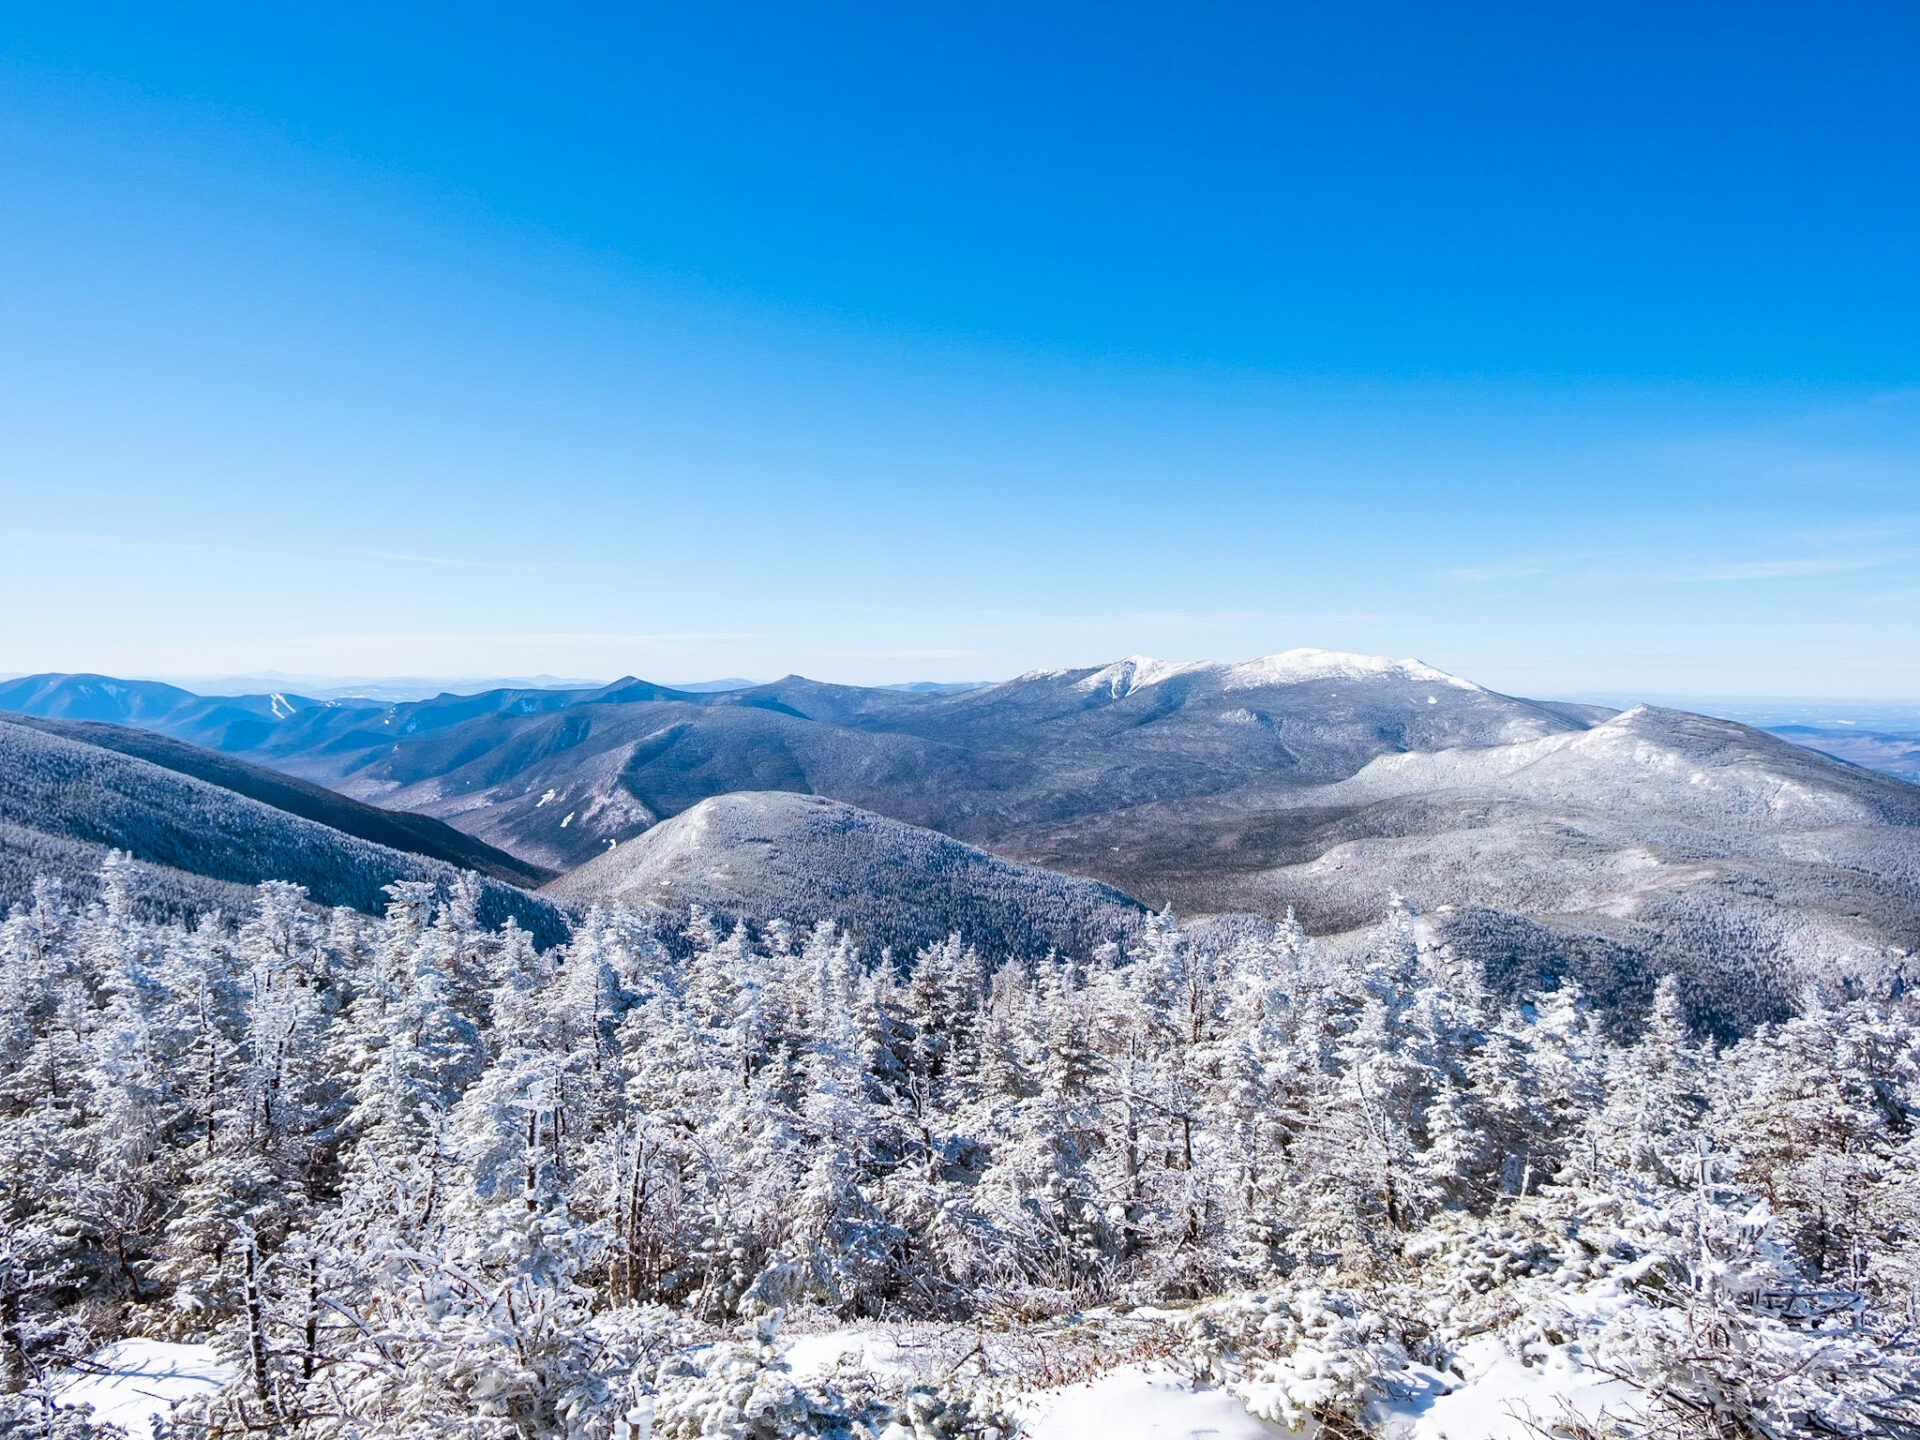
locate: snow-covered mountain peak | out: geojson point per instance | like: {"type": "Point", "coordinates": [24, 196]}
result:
{"type": "Point", "coordinates": [1289, 667]}
{"type": "Point", "coordinates": [1292, 666]}
{"type": "Point", "coordinates": [1136, 672]}
{"type": "Point", "coordinates": [766, 855]}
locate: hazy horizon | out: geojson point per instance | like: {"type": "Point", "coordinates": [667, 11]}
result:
{"type": "Point", "coordinates": [1894, 712]}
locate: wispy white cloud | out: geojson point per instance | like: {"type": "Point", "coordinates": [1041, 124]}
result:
{"type": "Point", "coordinates": [911, 654]}
{"type": "Point", "coordinates": [452, 562]}
{"type": "Point", "coordinates": [1485, 574]}
{"type": "Point", "coordinates": [1621, 568]}
{"type": "Point", "coordinates": [584, 637]}
{"type": "Point", "coordinates": [107, 543]}
{"type": "Point", "coordinates": [1228, 619]}
{"type": "Point", "coordinates": [1128, 620]}
{"type": "Point", "coordinates": [1769, 569]}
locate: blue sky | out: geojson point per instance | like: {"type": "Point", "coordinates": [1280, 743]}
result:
{"type": "Point", "coordinates": [1575, 349]}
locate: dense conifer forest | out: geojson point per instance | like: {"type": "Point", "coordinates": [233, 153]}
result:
{"type": "Point", "coordinates": [412, 1175]}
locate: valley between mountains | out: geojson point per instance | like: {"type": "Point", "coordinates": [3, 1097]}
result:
{"type": "Point", "coordinates": [1540, 837]}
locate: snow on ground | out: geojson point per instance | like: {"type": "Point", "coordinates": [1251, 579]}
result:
{"type": "Point", "coordinates": [1492, 1394]}
{"type": "Point", "coordinates": [1501, 1394]}
{"type": "Point", "coordinates": [1140, 1402]}
{"type": "Point", "coordinates": [1129, 1402]}
{"type": "Point", "coordinates": [1290, 667]}
{"type": "Point", "coordinates": [131, 1382]}
{"type": "Point", "coordinates": [1136, 672]}
{"type": "Point", "coordinates": [888, 1354]}
{"type": "Point", "coordinates": [1494, 1397]}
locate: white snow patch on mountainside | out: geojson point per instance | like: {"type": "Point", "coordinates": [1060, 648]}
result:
{"type": "Point", "coordinates": [804, 858]}
{"type": "Point", "coordinates": [1640, 761]}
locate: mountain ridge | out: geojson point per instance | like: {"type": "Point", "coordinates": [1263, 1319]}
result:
{"type": "Point", "coordinates": [395, 829]}
{"type": "Point", "coordinates": [64, 804]}
{"type": "Point", "coordinates": [973, 763]}
{"type": "Point", "coordinates": [1649, 841]}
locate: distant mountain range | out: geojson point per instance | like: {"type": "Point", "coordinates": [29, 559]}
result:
{"type": "Point", "coordinates": [552, 775]}
{"type": "Point", "coordinates": [1309, 779]}
{"type": "Point", "coordinates": [1891, 754]}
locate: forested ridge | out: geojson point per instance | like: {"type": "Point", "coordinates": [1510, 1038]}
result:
{"type": "Point", "coordinates": [414, 1176]}
{"type": "Point", "coordinates": [65, 801]}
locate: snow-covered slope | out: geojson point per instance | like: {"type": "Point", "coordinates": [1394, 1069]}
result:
{"type": "Point", "coordinates": [65, 804]}
{"type": "Point", "coordinates": [1700, 845]}
{"type": "Point", "coordinates": [1051, 746]}
{"type": "Point", "coordinates": [397, 829]}
{"type": "Point", "coordinates": [772, 855]}
{"type": "Point", "coordinates": [1690, 768]}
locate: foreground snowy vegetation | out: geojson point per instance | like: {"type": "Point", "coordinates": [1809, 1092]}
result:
{"type": "Point", "coordinates": [412, 1176]}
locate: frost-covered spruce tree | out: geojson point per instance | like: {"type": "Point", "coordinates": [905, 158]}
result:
{"type": "Point", "coordinates": [1367, 1142]}
{"type": "Point", "coordinates": [839, 1248]}
{"type": "Point", "coordinates": [413, 1052]}
{"type": "Point", "coordinates": [1261, 1074]}
{"type": "Point", "coordinates": [1812, 1110]}
{"type": "Point", "coordinates": [263, 1154]}
{"type": "Point", "coordinates": [1655, 1097]}
{"type": "Point", "coordinates": [1039, 1190]}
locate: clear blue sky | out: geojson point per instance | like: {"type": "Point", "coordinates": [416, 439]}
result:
{"type": "Point", "coordinates": [1573, 348]}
